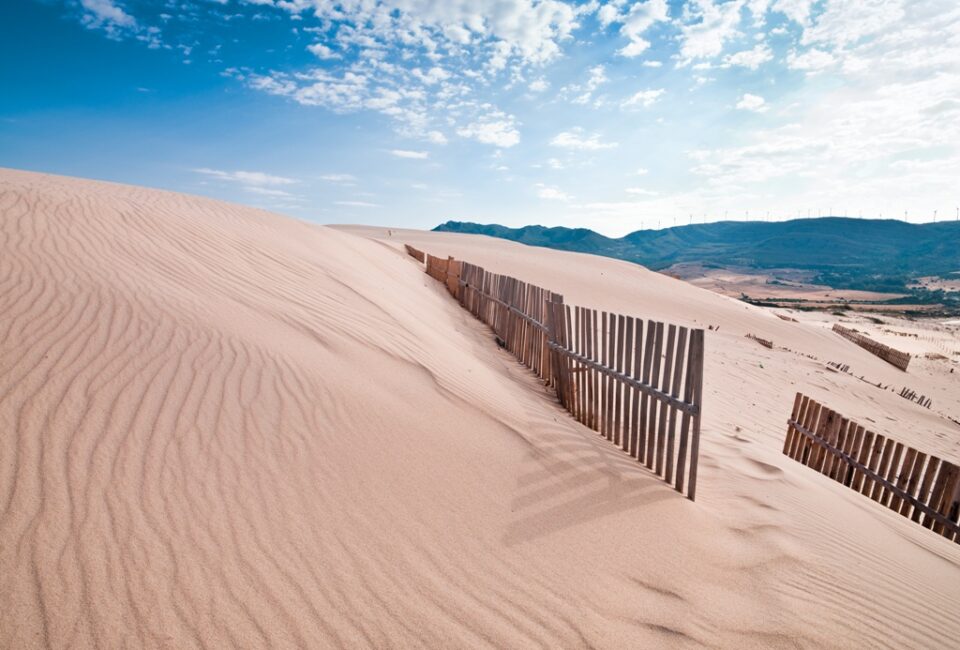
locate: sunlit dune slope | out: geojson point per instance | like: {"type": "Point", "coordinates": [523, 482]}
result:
{"type": "Point", "coordinates": [222, 427]}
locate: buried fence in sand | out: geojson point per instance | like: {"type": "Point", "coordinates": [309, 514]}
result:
{"type": "Point", "coordinates": [414, 253]}
{"type": "Point", "coordinates": [893, 357]}
{"type": "Point", "coordinates": [630, 386]}
{"type": "Point", "coordinates": [924, 488]}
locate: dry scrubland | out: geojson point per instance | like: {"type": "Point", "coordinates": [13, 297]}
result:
{"type": "Point", "coordinates": [223, 427]}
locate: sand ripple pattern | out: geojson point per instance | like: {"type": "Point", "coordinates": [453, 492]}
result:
{"type": "Point", "coordinates": [220, 427]}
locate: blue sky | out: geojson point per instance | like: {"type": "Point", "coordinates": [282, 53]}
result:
{"type": "Point", "coordinates": [614, 115]}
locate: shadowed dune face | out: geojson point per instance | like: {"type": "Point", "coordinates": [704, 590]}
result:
{"type": "Point", "coordinates": [222, 427]}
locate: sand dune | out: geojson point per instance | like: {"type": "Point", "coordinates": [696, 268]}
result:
{"type": "Point", "coordinates": [221, 427]}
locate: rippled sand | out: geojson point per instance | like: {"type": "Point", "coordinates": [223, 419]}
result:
{"type": "Point", "coordinates": [222, 427]}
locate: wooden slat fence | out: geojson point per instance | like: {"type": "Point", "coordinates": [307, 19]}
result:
{"type": "Point", "coordinates": [917, 485]}
{"type": "Point", "coordinates": [515, 311]}
{"type": "Point", "coordinates": [446, 271]}
{"type": "Point", "coordinates": [638, 383]}
{"type": "Point", "coordinates": [894, 357]}
{"type": "Point", "coordinates": [415, 253]}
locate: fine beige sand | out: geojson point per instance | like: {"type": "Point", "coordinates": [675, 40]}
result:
{"type": "Point", "coordinates": [221, 427]}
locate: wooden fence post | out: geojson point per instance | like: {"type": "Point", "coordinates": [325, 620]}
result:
{"type": "Point", "coordinates": [697, 354]}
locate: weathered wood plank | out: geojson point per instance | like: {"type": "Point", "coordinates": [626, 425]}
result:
{"type": "Point", "coordinates": [645, 399]}
{"type": "Point", "coordinates": [892, 472]}
{"type": "Point", "coordinates": [604, 379]}
{"type": "Point", "coordinates": [903, 477]}
{"type": "Point", "coordinates": [913, 481]}
{"type": "Point", "coordinates": [627, 389]}
{"type": "Point", "coordinates": [665, 387]}
{"type": "Point", "coordinates": [618, 386]}
{"type": "Point", "coordinates": [697, 355]}
{"type": "Point", "coordinates": [654, 404]}
{"type": "Point", "coordinates": [611, 385]}
{"type": "Point", "coordinates": [806, 405]}
{"type": "Point", "coordinates": [866, 442]}
{"type": "Point", "coordinates": [675, 392]}
{"type": "Point", "coordinates": [637, 374]}
{"type": "Point", "coordinates": [794, 417]}
{"type": "Point", "coordinates": [926, 484]}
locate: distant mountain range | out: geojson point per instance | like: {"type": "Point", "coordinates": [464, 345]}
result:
{"type": "Point", "coordinates": [871, 254]}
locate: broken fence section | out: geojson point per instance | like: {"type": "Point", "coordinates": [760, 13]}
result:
{"type": "Point", "coordinates": [917, 485]}
{"type": "Point", "coordinates": [638, 383]}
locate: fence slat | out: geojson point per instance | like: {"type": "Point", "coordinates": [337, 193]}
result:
{"type": "Point", "coordinates": [654, 404]}
{"type": "Point", "coordinates": [806, 405]}
{"type": "Point", "coordinates": [697, 354]}
{"type": "Point", "coordinates": [865, 439]}
{"type": "Point", "coordinates": [627, 389]}
{"type": "Point", "coordinates": [913, 483]}
{"type": "Point", "coordinates": [795, 416]}
{"type": "Point", "coordinates": [617, 385]}
{"type": "Point", "coordinates": [592, 373]}
{"type": "Point", "coordinates": [903, 477]}
{"type": "Point", "coordinates": [665, 386]}
{"type": "Point", "coordinates": [943, 503]}
{"type": "Point", "coordinates": [675, 392]}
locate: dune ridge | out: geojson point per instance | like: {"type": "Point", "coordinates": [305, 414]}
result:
{"type": "Point", "coordinates": [222, 427]}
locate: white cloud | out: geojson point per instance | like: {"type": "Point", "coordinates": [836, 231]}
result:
{"type": "Point", "coordinates": [640, 191]}
{"type": "Point", "coordinates": [598, 77]}
{"type": "Point", "coordinates": [644, 98]}
{"type": "Point", "coordinates": [267, 191]}
{"type": "Point", "coordinates": [577, 139]}
{"type": "Point", "coordinates": [344, 179]}
{"type": "Point", "coordinates": [652, 64]}
{"type": "Point", "coordinates": [529, 30]}
{"type": "Point", "coordinates": [539, 85]}
{"type": "Point", "coordinates": [711, 26]}
{"type": "Point", "coordinates": [813, 60]}
{"type": "Point", "coordinates": [497, 129]}
{"type": "Point", "coordinates": [796, 10]}
{"type": "Point", "coordinates": [356, 204]}
{"type": "Point", "coordinates": [641, 17]}
{"type": "Point", "coordinates": [584, 92]}
{"type": "Point", "coordinates": [751, 59]}
{"type": "Point", "coordinates": [551, 193]}
{"type": "Point", "coordinates": [608, 14]}
{"type": "Point", "coordinates": [247, 178]}
{"type": "Point", "coordinates": [754, 103]}
{"type": "Point", "coordinates": [435, 137]}
{"type": "Point", "coordinates": [321, 51]}
{"type": "Point", "coordinates": [433, 76]}
{"type": "Point", "coordinates": [406, 153]}
{"type": "Point", "coordinates": [642, 171]}
{"type": "Point", "coordinates": [100, 13]}
{"type": "Point", "coordinates": [845, 22]}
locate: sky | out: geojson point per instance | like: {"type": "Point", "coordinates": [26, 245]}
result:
{"type": "Point", "coordinates": [613, 115]}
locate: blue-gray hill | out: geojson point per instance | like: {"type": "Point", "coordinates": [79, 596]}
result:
{"type": "Point", "coordinates": [875, 254]}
